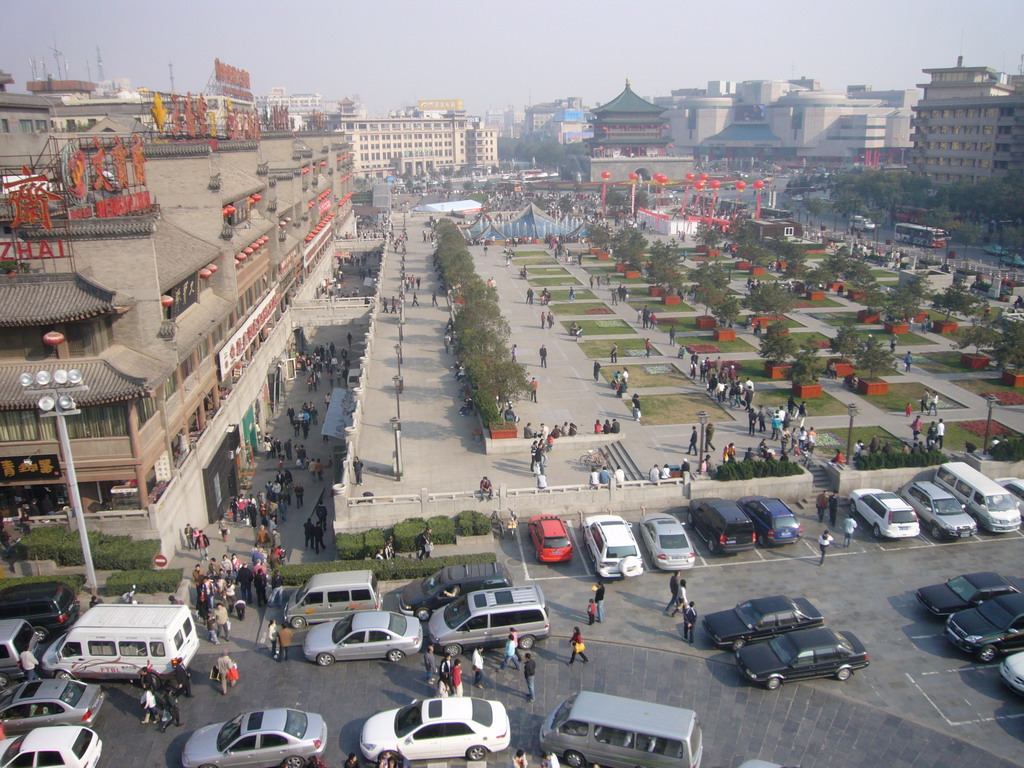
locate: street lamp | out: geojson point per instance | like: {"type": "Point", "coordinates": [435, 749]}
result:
{"type": "Point", "coordinates": [55, 401]}
{"type": "Point", "coordinates": [852, 408]}
{"type": "Point", "coordinates": [396, 426]}
{"type": "Point", "coordinates": [992, 400]}
{"type": "Point", "coordinates": [702, 417]}
{"type": "Point", "coordinates": [399, 388]}
{"type": "Point", "coordinates": [398, 352]}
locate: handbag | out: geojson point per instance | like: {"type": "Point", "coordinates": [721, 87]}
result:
{"type": "Point", "coordinates": [215, 675]}
{"type": "Point", "coordinates": [233, 674]}
{"type": "Point", "coordinates": [579, 647]}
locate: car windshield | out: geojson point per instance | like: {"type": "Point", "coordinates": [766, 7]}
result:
{"type": "Point", "coordinates": [73, 693]}
{"type": "Point", "coordinates": [342, 628]}
{"type": "Point", "coordinates": [397, 624]}
{"type": "Point", "coordinates": [995, 613]}
{"type": "Point", "coordinates": [555, 542]}
{"type": "Point", "coordinates": [13, 749]}
{"type": "Point", "coordinates": [948, 507]}
{"type": "Point", "coordinates": [563, 712]}
{"type": "Point", "coordinates": [408, 719]}
{"type": "Point", "coordinates": [295, 723]}
{"type": "Point", "coordinates": [673, 541]}
{"type": "Point", "coordinates": [962, 588]}
{"type": "Point", "coordinates": [784, 648]}
{"type": "Point", "coordinates": [1000, 502]}
{"type": "Point", "coordinates": [431, 585]}
{"type": "Point", "coordinates": [748, 614]}
{"type": "Point", "coordinates": [456, 612]}
{"type": "Point", "coordinates": [229, 731]}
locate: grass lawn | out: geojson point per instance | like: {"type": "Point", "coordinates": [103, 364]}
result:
{"type": "Point", "coordinates": [564, 295]}
{"type": "Point", "coordinates": [664, 323]}
{"type": "Point", "coordinates": [787, 322]}
{"type": "Point", "coordinates": [940, 362]}
{"type": "Point", "coordinates": [527, 260]}
{"type": "Point", "coordinates": [543, 281]}
{"type": "Point", "coordinates": [600, 269]}
{"type": "Point", "coordinates": [957, 435]}
{"type": "Point", "coordinates": [885, 274]}
{"type": "Point", "coordinates": [603, 328]}
{"type": "Point", "coordinates": [654, 302]}
{"type": "Point", "coordinates": [830, 439]}
{"type": "Point", "coordinates": [545, 254]}
{"type": "Point", "coordinates": [821, 303]}
{"type": "Point", "coordinates": [737, 345]}
{"type": "Point", "coordinates": [986, 386]}
{"type": "Point", "coordinates": [826, 405]}
{"type": "Point", "coordinates": [835, 318]}
{"type": "Point", "coordinates": [902, 340]}
{"type": "Point", "coordinates": [628, 348]}
{"type": "Point", "coordinates": [804, 335]}
{"type": "Point", "coordinates": [618, 279]}
{"type": "Point", "coordinates": [546, 271]}
{"type": "Point", "coordinates": [580, 308]}
{"type": "Point", "coordinates": [676, 409]}
{"type": "Point", "coordinates": [655, 376]}
{"type": "Point", "coordinates": [901, 394]}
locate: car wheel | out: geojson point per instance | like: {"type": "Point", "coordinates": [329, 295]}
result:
{"type": "Point", "coordinates": [4, 680]}
{"type": "Point", "coordinates": [395, 655]}
{"type": "Point", "coordinates": [294, 761]}
{"type": "Point", "coordinates": [526, 642]}
{"type": "Point", "coordinates": [844, 673]}
{"type": "Point", "coordinates": [423, 613]}
{"type": "Point", "coordinates": [476, 753]}
{"type": "Point", "coordinates": [762, 539]}
{"type": "Point", "coordinates": [738, 643]}
{"type": "Point", "coordinates": [41, 632]}
{"type": "Point", "coordinates": [63, 674]}
{"type": "Point", "coordinates": [712, 545]}
{"type": "Point", "coordinates": [324, 659]}
{"type": "Point", "coordinates": [987, 653]}
{"type": "Point", "coordinates": [454, 650]}
{"type": "Point", "coordinates": [773, 683]}
{"type": "Point", "coordinates": [877, 530]}
{"type": "Point", "coordinates": [297, 622]}
{"type": "Point", "coordinates": [208, 766]}
{"type": "Point", "coordinates": [936, 531]}
{"type": "Point", "coordinates": [574, 759]}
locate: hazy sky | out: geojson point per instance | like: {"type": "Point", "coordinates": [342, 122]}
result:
{"type": "Point", "coordinates": [490, 54]}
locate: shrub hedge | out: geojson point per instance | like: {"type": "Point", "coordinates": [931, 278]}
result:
{"type": "Point", "coordinates": [145, 581]}
{"type": "Point", "coordinates": [1008, 450]}
{"type": "Point", "coordinates": [747, 470]}
{"type": "Point", "coordinates": [74, 580]}
{"type": "Point", "coordinates": [398, 569]}
{"type": "Point", "coordinates": [358, 546]}
{"type": "Point", "coordinates": [469, 522]}
{"type": "Point", "coordinates": [109, 553]}
{"type": "Point", "coordinates": [896, 459]}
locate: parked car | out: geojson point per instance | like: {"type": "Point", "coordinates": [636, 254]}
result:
{"type": "Point", "coordinates": [885, 513]}
{"type": "Point", "coordinates": [49, 702]}
{"type": "Point", "coordinates": [965, 591]}
{"type": "Point", "coordinates": [63, 746]}
{"type": "Point", "coordinates": [1015, 486]}
{"type": "Point", "coordinates": [801, 655]}
{"type": "Point", "coordinates": [363, 635]}
{"type": "Point", "coordinates": [613, 547]}
{"type": "Point", "coordinates": [435, 729]}
{"type": "Point", "coordinates": [995, 627]}
{"type": "Point", "coordinates": [774, 522]}
{"type": "Point", "coordinates": [667, 541]}
{"type": "Point", "coordinates": [421, 598]}
{"type": "Point", "coordinates": [49, 606]}
{"type": "Point", "coordinates": [550, 538]}
{"type": "Point", "coordinates": [722, 524]}
{"type": "Point", "coordinates": [285, 737]}
{"type": "Point", "coordinates": [761, 619]}
{"type": "Point", "coordinates": [939, 510]}
{"type": "Point", "coordinates": [1012, 672]}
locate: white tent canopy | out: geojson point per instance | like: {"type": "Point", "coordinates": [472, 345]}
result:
{"type": "Point", "coordinates": [453, 206]}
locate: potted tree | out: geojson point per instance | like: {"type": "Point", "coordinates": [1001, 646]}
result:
{"type": "Point", "coordinates": [776, 350]}
{"type": "Point", "coordinates": [1009, 353]}
{"type": "Point", "coordinates": [727, 311]}
{"type": "Point", "coordinates": [629, 246]}
{"type": "Point", "coordinates": [980, 337]}
{"type": "Point", "coordinates": [905, 302]}
{"type": "Point", "coordinates": [955, 299]}
{"type": "Point", "coordinates": [710, 289]}
{"type": "Point", "coordinates": [599, 237]}
{"type": "Point", "coordinates": [874, 360]}
{"type": "Point", "coordinates": [805, 369]}
{"type": "Point", "coordinates": [769, 304]}
{"type": "Point", "coordinates": [845, 344]}
{"type": "Point", "coordinates": [663, 268]}
{"type": "Point", "coordinates": [710, 238]}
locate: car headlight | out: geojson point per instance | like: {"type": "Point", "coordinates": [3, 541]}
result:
{"type": "Point", "coordinates": [973, 639]}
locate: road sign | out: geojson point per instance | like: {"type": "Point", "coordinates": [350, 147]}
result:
{"type": "Point", "coordinates": [159, 561]}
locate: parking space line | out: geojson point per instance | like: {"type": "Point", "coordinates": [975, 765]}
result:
{"type": "Point", "coordinates": [928, 699]}
{"type": "Point", "coordinates": [923, 637]}
{"type": "Point", "coordinates": [584, 552]}
{"type": "Point", "coordinates": [966, 668]}
{"type": "Point", "coordinates": [957, 723]}
{"type": "Point", "coordinates": [522, 554]}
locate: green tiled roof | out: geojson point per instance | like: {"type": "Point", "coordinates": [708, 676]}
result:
{"type": "Point", "coordinates": [627, 102]}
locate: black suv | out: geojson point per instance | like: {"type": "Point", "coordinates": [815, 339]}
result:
{"type": "Point", "coordinates": [722, 524]}
{"type": "Point", "coordinates": [49, 606]}
{"type": "Point", "coordinates": [994, 627]}
{"type": "Point", "coordinates": [422, 598]}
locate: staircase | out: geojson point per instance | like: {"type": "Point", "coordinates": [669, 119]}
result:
{"type": "Point", "coordinates": [821, 483]}
{"type": "Point", "coordinates": [616, 456]}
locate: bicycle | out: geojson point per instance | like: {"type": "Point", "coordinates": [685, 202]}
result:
{"type": "Point", "coordinates": [591, 460]}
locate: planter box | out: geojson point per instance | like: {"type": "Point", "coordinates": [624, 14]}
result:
{"type": "Point", "coordinates": [1013, 378]}
{"type": "Point", "coordinates": [807, 390]}
{"type": "Point", "coordinates": [671, 300]}
{"type": "Point", "coordinates": [944, 326]}
{"type": "Point", "coordinates": [975, 362]}
{"type": "Point", "coordinates": [815, 295]}
{"type": "Point", "coordinates": [864, 316]}
{"type": "Point", "coordinates": [706, 322]}
{"type": "Point", "coordinates": [920, 317]}
{"type": "Point", "coordinates": [632, 274]}
{"type": "Point", "coordinates": [742, 265]}
{"type": "Point", "coordinates": [897, 329]}
{"type": "Point", "coordinates": [834, 287]}
{"type": "Point", "coordinates": [725, 334]}
{"type": "Point", "coordinates": [854, 295]}
{"type": "Point", "coordinates": [620, 267]}
{"type": "Point", "coordinates": [655, 290]}
{"type": "Point", "coordinates": [873, 387]}
{"type": "Point", "coordinates": [460, 300]}
{"type": "Point", "coordinates": [594, 251]}
{"type": "Point", "coordinates": [844, 369]}
{"type": "Point", "coordinates": [783, 265]}
{"type": "Point", "coordinates": [757, 271]}
{"type": "Point", "coordinates": [602, 256]}
{"type": "Point", "coordinates": [504, 433]}
{"type": "Point", "coordinates": [714, 254]}
{"type": "Point", "coordinates": [702, 249]}
{"type": "Point", "coordinates": [776, 371]}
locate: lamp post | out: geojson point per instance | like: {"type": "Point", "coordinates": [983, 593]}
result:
{"type": "Point", "coordinates": [992, 400]}
{"type": "Point", "coordinates": [702, 417]}
{"type": "Point", "coordinates": [398, 352]}
{"type": "Point", "coordinates": [55, 401]}
{"type": "Point", "coordinates": [396, 426]}
{"type": "Point", "coordinates": [852, 408]}
{"type": "Point", "coordinates": [399, 388]}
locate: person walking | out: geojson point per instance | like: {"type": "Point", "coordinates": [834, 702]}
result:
{"type": "Point", "coordinates": [284, 640]}
{"type": "Point", "coordinates": [520, 761]}
{"type": "Point", "coordinates": [424, 545]}
{"type": "Point", "coordinates": [833, 509]}
{"type": "Point", "coordinates": [681, 599]}
{"type": "Point", "coordinates": [220, 615]}
{"type": "Point", "coordinates": [357, 467]}
{"type": "Point", "coordinates": [597, 369]}
{"type": "Point", "coordinates": [530, 673]}
{"type": "Point", "coordinates": [673, 588]}
{"type": "Point", "coordinates": [182, 678]}
{"type": "Point", "coordinates": [148, 702]}
{"type": "Point", "coordinates": [614, 355]}
{"type": "Point", "coordinates": [29, 662]}
{"type": "Point", "coordinates": [478, 668]}
{"type": "Point", "coordinates": [849, 526]}
{"type": "Point", "coordinates": [709, 434]}
{"type": "Point", "coordinates": [689, 621]}
{"type": "Point", "coordinates": [693, 443]}
{"type": "Point", "coordinates": [273, 630]}
{"type": "Point", "coordinates": [822, 504]}
{"type": "Point", "coordinates": [172, 710]}
{"type": "Point", "coordinates": [824, 542]}
{"type": "Point", "coordinates": [543, 356]}
{"type": "Point", "coordinates": [599, 600]}
{"type": "Point", "coordinates": [578, 647]}
{"type": "Point", "coordinates": [456, 682]}
{"type": "Point", "coordinates": [510, 653]}
{"type": "Point", "coordinates": [429, 662]}
{"type": "Point", "coordinates": [224, 666]}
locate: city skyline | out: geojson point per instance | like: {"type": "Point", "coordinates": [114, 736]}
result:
{"type": "Point", "coordinates": [450, 50]}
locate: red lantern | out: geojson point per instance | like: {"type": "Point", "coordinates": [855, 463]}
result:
{"type": "Point", "coordinates": [240, 257]}
{"type": "Point", "coordinates": [714, 183]}
{"type": "Point", "coordinates": [703, 177]}
{"type": "Point", "coordinates": [740, 186]}
{"type": "Point", "coordinates": [229, 210]}
{"type": "Point", "coordinates": [257, 197]}
{"type": "Point", "coordinates": [323, 163]}
{"type": "Point", "coordinates": [56, 338]}
{"type": "Point", "coordinates": [634, 176]}
{"type": "Point", "coordinates": [699, 186]}
{"type": "Point", "coordinates": [167, 301]}
{"type": "Point", "coordinates": [247, 251]}
{"type": "Point", "coordinates": [265, 238]}
{"type": "Point", "coordinates": [605, 175]}
{"type": "Point", "coordinates": [690, 177]}
{"type": "Point", "coordinates": [212, 267]}
{"type": "Point", "coordinates": [309, 238]}
{"type": "Point", "coordinates": [282, 224]}
{"type": "Point", "coordinates": [759, 184]}
{"type": "Point", "coordinates": [205, 273]}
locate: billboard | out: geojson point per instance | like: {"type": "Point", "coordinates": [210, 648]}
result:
{"type": "Point", "coordinates": [453, 105]}
{"type": "Point", "coordinates": [749, 113]}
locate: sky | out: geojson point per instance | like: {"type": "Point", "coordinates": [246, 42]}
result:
{"type": "Point", "coordinates": [495, 54]}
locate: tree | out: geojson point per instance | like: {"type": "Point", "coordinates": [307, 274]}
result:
{"type": "Point", "coordinates": [663, 264]}
{"type": "Point", "coordinates": [874, 359]}
{"type": "Point", "coordinates": [906, 300]}
{"type": "Point", "coordinates": [807, 365]}
{"type": "Point", "coordinates": [861, 280]}
{"type": "Point", "coordinates": [956, 299]}
{"type": "Point", "coordinates": [629, 247]}
{"type": "Point", "coordinates": [777, 347]}
{"type": "Point", "coordinates": [708, 236]}
{"type": "Point", "coordinates": [770, 299]}
{"type": "Point", "coordinates": [726, 310]}
{"type": "Point", "coordinates": [756, 253]}
{"type": "Point", "coordinates": [981, 337]}
{"type": "Point", "coordinates": [599, 236]}
{"type": "Point", "coordinates": [565, 205]}
{"type": "Point", "coordinates": [846, 342]}
{"type": "Point", "coordinates": [968, 233]}
{"type": "Point", "coordinates": [1009, 349]}
{"type": "Point", "coordinates": [711, 283]}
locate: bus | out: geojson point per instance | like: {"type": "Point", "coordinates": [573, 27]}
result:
{"type": "Point", "coordinates": [909, 214]}
{"type": "Point", "coordinates": [915, 234]}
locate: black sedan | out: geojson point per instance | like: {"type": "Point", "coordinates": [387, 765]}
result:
{"type": "Point", "coordinates": [994, 627]}
{"type": "Point", "coordinates": [761, 619]}
{"type": "Point", "coordinates": [963, 592]}
{"type": "Point", "coordinates": [800, 655]}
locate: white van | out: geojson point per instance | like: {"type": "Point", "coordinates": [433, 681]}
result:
{"type": "Point", "coordinates": [111, 642]}
{"type": "Point", "coordinates": [994, 507]}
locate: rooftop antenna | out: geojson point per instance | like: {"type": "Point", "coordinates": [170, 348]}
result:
{"type": "Point", "coordinates": [88, 70]}
{"type": "Point", "coordinates": [57, 55]}
{"type": "Point", "coordinates": [99, 63]}
{"type": "Point", "coordinates": [170, 68]}
{"type": "Point", "coordinates": [32, 64]}
{"type": "Point", "coordinates": [961, 41]}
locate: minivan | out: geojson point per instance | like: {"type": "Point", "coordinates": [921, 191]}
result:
{"type": "Point", "coordinates": [49, 606]}
{"type": "Point", "coordinates": [16, 635]}
{"type": "Point", "coordinates": [722, 524]}
{"type": "Point", "coordinates": [328, 596]}
{"type": "Point", "coordinates": [614, 732]}
{"type": "Point", "coordinates": [421, 598]}
{"type": "Point", "coordinates": [118, 641]}
{"type": "Point", "coordinates": [994, 507]}
{"type": "Point", "coordinates": [484, 619]}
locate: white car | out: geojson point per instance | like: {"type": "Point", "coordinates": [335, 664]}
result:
{"type": "Point", "coordinates": [1012, 672]}
{"type": "Point", "coordinates": [1015, 486]}
{"type": "Point", "coordinates": [885, 513]}
{"type": "Point", "coordinates": [62, 746]}
{"type": "Point", "coordinates": [613, 547]}
{"type": "Point", "coordinates": [667, 541]}
{"type": "Point", "coordinates": [435, 729]}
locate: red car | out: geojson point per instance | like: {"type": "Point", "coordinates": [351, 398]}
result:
{"type": "Point", "coordinates": [550, 539]}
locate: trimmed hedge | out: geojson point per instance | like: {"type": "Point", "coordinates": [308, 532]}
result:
{"type": "Point", "coordinates": [109, 553]}
{"type": "Point", "coordinates": [747, 470]}
{"type": "Point", "coordinates": [398, 569]}
{"type": "Point", "coordinates": [469, 522]}
{"type": "Point", "coordinates": [897, 459]}
{"type": "Point", "coordinates": [74, 580]}
{"type": "Point", "coordinates": [145, 581]}
{"type": "Point", "coordinates": [1008, 450]}
{"type": "Point", "coordinates": [358, 546]}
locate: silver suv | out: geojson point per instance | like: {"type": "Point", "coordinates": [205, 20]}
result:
{"type": "Point", "coordinates": [939, 510]}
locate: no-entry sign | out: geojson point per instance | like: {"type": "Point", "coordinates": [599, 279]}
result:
{"type": "Point", "coordinates": [159, 561]}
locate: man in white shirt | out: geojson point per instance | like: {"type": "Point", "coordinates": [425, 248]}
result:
{"type": "Point", "coordinates": [620, 477]}
{"type": "Point", "coordinates": [655, 474]}
{"type": "Point", "coordinates": [665, 473]}
{"type": "Point", "coordinates": [28, 664]}
{"type": "Point", "coordinates": [940, 431]}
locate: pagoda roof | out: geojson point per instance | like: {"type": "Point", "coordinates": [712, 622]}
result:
{"type": "Point", "coordinates": [52, 298]}
{"type": "Point", "coordinates": [627, 102]}
{"type": "Point", "coordinates": [108, 383]}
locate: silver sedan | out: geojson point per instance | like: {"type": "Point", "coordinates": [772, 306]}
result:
{"type": "Point", "coordinates": [285, 737]}
{"type": "Point", "coordinates": [49, 702]}
{"type": "Point", "coordinates": [667, 541]}
{"type": "Point", "coordinates": [363, 635]}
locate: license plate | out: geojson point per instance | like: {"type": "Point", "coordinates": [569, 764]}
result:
{"type": "Point", "coordinates": [965, 535]}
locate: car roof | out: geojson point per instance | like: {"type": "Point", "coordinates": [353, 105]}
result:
{"type": "Point", "coordinates": [813, 638]}
{"type": "Point", "coordinates": [131, 616]}
{"type": "Point", "coordinates": [549, 525]}
{"type": "Point", "coordinates": [371, 620]}
{"type": "Point", "coordinates": [892, 500]}
{"type": "Point", "coordinates": [662, 519]}
{"type": "Point", "coordinates": [722, 504]}
{"type": "Point", "coordinates": [932, 489]}
{"type": "Point", "coordinates": [59, 736]}
{"type": "Point", "coordinates": [984, 579]}
{"type": "Point", "coordinates": [460, 707]}
{"type": "Point", "coordinates": [34, 589]}
{"type": "Point", "coordinates": [1013, 602]}
{"type": "Point", "coordinates": [273, 720]}
{"type": "Point", "coordinates": [615, 529]}
{"type": "Point", "coordinates": [40, 689]}
{"type": "Point", "coordinates": [772, 604]}
{"type": "Point", "coordinates": [619, 712]}
{"type": "Point", "coordinates": [777, 507]}
{"type": "Point", "coordinates": [469, 570]}
{"type": "Point", "coordinates": [339, 579]}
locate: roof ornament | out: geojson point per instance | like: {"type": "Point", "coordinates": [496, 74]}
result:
{"type": "Point", "coordinates": [627, 82]}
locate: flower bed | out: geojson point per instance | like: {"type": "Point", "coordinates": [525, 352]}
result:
{"type": "Point", "coordinates": [702, 349]}
{"type": "Point", "coordinates": [1006, 398]}
{"type": "Point", "coordinates": [978, 428]}
{"type": "Point", "coordinates": [599, 311]}
{"type": "Point", "coordinates": [823, 343]}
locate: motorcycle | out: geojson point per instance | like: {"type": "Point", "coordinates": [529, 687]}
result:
{"type": "Point", "coordinates": [128, 598]}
